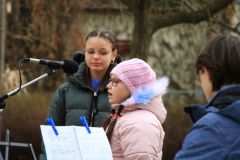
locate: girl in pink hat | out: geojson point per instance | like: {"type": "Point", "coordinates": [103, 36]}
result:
{"type": "Point", "coordinates": [135, 128]}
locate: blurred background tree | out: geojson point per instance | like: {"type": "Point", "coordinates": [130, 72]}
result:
{"type": "Point", "coordinates": [42, 29]}
{"type": "Point", "coordinates": [152, 15]}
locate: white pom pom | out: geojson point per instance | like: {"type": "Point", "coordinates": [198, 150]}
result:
{"type": "Point", "coordinates": [143, 96]}
{"type": "Point", "coordinates": [160, 86]}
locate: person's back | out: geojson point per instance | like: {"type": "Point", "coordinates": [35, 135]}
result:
{"type": "Point", "coordinates": [215, 134]}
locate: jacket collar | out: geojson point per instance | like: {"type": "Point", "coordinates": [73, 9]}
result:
{"type": "Point", "coordinates": [226, 102]}
{"type": "Point", "coordinates": [225, 96]}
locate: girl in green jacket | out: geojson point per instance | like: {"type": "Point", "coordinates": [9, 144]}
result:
{"type": "Point", "coordinates": [85, 92]}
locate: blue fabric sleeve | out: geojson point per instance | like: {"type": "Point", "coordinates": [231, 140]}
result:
{"type": "Point", "coordinates": [202, 143]}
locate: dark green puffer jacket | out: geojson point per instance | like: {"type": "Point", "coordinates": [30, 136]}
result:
{"type": "Point", "coordinates": [76, 98]}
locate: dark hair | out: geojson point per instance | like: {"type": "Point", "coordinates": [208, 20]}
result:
{"type": "Point", "coordinates": [221, 57]}
{"type": "Point", "coordinates": [110, 123]}
{"type": "Point", "coordinates": [103, 34]}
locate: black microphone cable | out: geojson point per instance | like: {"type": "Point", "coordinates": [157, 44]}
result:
{"type": "Point", "coordinates": [2, 97]}
{"type": "Point", "coordinates": [20, 76]}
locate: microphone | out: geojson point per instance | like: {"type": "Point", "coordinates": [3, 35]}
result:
{"type": "Point", "coordinates": [68, 66]}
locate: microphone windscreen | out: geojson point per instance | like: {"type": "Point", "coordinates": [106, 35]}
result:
{"type": "Point", "coordinates": [69, 66]}
{"type": "Point", "coordinates": [78, 56]}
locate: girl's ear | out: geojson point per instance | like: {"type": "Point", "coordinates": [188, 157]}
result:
{"type": "Point", "coordinates": [114, 54]}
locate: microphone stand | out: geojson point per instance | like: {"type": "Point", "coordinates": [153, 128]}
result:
{"type": "Point", "coordinates": [13, 92]}
{"type": "Point", "coordinates": [7, 143]}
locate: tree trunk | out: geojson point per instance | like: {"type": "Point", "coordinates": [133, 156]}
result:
{"type": "Point", "coordinates": [2, 36]}
{"type": "Point", "coordinates": [142, 31]}
{"type": "Point", "coordinates": [146, 23]}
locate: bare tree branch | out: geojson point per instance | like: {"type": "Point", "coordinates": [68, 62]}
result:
{"type": "Point", "coordinates": [235, 30]}
{"type": "Point", "coordinates": [169, 19]}
{"type": "Point", "coordinates": [188, 4]}
{"type": "Point", "coordinates": [30, 40]}
{"type": "Point", "coordinates": [238, 25]}
{"type": "Point", "coordinates": [129, 3]}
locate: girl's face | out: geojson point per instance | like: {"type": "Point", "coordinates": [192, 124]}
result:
{"type": "Point", "coordinates": [98, 56]}
{"type": "Point", "coordinates": [206, 83]}
{"type": "Point", "coordinates": [117, 92]}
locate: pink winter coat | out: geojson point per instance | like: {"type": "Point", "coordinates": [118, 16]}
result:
{"type": "Point", "coordinates": [138, 133]}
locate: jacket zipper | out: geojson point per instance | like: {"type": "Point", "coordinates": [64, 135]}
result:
{"type": "Point", "coordinates": [93, 111]}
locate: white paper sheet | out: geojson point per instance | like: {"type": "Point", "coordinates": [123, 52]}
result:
{"type": "Point", "coordinates": [75, 143]}
{"type": "Point", "coordinates": [94, 146]}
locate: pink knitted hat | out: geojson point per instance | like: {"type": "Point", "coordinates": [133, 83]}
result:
{"type": "Point", "coordinates": [135, 74]}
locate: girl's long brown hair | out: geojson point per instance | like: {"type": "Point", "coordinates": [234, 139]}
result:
{"type": "Point", "coordinates": [110, 123]}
